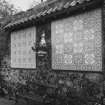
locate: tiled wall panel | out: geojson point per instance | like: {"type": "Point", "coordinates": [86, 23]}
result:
{"type": "Point", "coordinates": [77, 42]}
{"type": "Point", "coordinates": [22, 55]}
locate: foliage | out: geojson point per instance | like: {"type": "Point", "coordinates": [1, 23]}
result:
{"type": "Point", "coordinates": [6, 9]}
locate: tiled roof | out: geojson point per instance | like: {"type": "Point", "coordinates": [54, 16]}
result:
{"type": "Point", "coordinates": [46, 11]}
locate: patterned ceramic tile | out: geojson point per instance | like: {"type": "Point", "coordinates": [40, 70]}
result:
{"type": "Point", "coordinates": [89, 34]}
{"type": "Point", "coordinates": [78, 25]}
{"type": "Point", "coordinates": [89, 59]}
{"type": "Point", "coordinates": [59, 49]}
{"type": "Point", "coordinates": [21, 46]}
{"type": "Point", "coordinates": [80, 45]}
{"type": "Point", "coordinates": [68, 37]}
{"type": "Point", "coordinates": [67, 59]}
{"type": "Point", "coordinates": [78, 59]}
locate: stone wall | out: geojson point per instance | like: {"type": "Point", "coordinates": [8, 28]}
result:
{"type": "Point", "coordinates": [84, 87]}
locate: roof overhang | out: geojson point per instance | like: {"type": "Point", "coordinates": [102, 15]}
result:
{"type": "Point", "coordinates": [68, 9]}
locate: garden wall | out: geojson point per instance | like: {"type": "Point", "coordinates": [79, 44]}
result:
{"type": "Point", "coordinates": [55, 87]}
{"type": "Point", "coordinates": [87, 86]}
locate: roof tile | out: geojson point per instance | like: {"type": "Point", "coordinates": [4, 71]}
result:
{"type": "Point", "coordinates": [50, 10]}
{"type": "Point", "coordinates": [67, 5]}
{"type": "Point", "coordinates": [73, 3]}
{"type": "Point", "coordinates": [39, 14]}
{"type": "Point", "coordinates": [44, 13]}
{"type": "Point", "coordinates": [80, 1]}
{"type": "Point", "coordinates": [55, 8]}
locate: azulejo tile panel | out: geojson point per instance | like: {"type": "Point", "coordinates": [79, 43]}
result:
{"type": "Point", "coordinates": [22, 55]}
{"type": "Point", "coordinates": [77, 42]}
